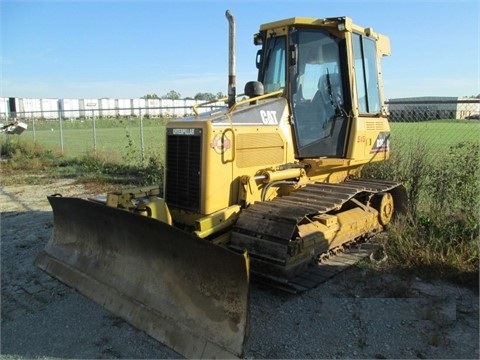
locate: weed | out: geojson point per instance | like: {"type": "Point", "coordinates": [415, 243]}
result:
{"type": "Point", "coordinates": [410, 166]}
{"type": "Point", "coordinates": [153, 172]}
{"type": "Point", "coordinates": [454, 186]}
{"type": "Point", "coordinates": [23, 154]}
{"type": "Point", "coordinates": [417, 166]}
{"type": "Point", "coordinates": [439, 236]}
{"type": "Point", "coordinates": [130, 154]}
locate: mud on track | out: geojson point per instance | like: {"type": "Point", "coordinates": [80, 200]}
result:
{"type": "Point", "coordinates": [361, 313]}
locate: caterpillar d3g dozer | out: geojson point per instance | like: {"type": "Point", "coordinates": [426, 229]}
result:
{"type": "Point", "coordinates": [268, 186]}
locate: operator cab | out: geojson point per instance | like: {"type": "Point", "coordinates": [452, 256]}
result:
{"type": "Point", "coordinates": [308, 59]}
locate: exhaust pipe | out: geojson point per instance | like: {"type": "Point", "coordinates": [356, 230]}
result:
{"type": "Point", "coordinates": [231, 59]}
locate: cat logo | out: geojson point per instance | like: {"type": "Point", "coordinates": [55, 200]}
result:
{"type": "Point", "coordinates": [382, 143]}
{"type": "Point", "coordinates": [269, 117]}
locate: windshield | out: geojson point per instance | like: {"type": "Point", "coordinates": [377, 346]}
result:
{"type": "Point", "coordinates": [317, 93]}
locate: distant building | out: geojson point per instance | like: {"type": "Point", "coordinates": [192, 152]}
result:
{"type": "Point", "coordinates": [432, 108]}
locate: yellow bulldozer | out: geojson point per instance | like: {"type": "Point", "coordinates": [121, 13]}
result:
{"type": "Point", "coordinates": [266, 187]}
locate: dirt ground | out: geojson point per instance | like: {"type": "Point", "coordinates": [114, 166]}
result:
{"type": "Point", "coordinates": [361, 313]}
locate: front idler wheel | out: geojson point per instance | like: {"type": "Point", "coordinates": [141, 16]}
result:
{"type": "Point", "coordinates": [383, 203]}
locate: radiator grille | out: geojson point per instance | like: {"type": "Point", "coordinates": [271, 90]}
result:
{"type": "Point", "coordinates": [183, 162]}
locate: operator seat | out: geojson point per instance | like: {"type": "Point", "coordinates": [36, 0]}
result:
{"type": "Point", "coordinates": [325, 102]}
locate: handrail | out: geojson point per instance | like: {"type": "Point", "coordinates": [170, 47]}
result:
{"type": "Point", "coordinates": [194, 107]}
{"type": "Point", "coordinates": [241, 102]}
{"type": "Point", "coordinates": [245, 101]}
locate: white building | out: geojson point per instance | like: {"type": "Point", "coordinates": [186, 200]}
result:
{"type": "Point", "coordinates": [432, 108]}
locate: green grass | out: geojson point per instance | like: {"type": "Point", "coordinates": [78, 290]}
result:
{"type": "Point", "coordinates": [439, 237]}
{"type": "Point", "coordinates": [116, 136]}
{"type": "Point", "coordinates": [436, 136]}
{"type": "Point", "coordinates": [115, 139]}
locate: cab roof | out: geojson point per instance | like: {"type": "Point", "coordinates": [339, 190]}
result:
{"type": "Point", "coordinates": [342, 23]}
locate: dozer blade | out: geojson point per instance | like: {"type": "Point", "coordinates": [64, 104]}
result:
{"type": "Point", "coordinates": [185, 292]}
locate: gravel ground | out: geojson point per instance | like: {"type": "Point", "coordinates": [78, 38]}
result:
{"type": "Point", "coordinates": [360, 313]}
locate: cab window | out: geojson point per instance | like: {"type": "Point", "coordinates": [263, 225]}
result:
{"type": "Point", "coordinates": [366, 74]}
{"type": "Point", "coordinates": [318, 90]}
{"type": "Point", "coordinates": [274, 71]}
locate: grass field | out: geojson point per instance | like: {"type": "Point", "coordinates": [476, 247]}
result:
{"type": "Point", "coordinates": [436, 136]}
{"type": "Point", "coordinates": [116, 139]}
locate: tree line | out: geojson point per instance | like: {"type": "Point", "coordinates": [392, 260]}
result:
{"type": "Point", "coordinates": [174, 95]}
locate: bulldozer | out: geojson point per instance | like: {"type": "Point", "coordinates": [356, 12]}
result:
{"type": "Point", "coordinates": [267, 187]}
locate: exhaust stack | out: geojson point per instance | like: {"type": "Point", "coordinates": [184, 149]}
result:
{"type": "Point", "coordinates": [231, 59]}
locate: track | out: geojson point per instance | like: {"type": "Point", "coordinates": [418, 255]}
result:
{"type": "Point", "coordinates": [273, 225]}
{"type": "Point", "coordinates": [323, 271]}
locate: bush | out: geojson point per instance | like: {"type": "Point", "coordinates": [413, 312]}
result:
{"type": "Point", "coordinates": [453, 186]}
{"type": "Point", "coordinates": [24, 154]}
{"type": "Point", "coordinates": [439, 237]}
{"type": "Point", "coordinates": [93, 166]}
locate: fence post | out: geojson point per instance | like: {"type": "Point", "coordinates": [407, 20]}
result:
{"type": "Point", "coordinates": [61, 129]}
{"type": "Point", "coordinates": [142, 148]}
{"type": "Point", "coordinates": [94, 133]}
{"type": "Point", "coordinates": [33, 130]}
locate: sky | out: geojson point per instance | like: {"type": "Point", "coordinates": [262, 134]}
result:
{"type": "Point", "coordinates": [128, 49]}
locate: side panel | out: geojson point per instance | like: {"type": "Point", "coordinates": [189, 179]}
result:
{"type": "Point", "coordinates": [369, 139]}
{"type": "Point", "coordinates": [252, 138]}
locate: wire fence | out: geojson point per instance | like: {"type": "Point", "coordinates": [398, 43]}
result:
{"type": "Point", "coordinates": [425, 110]}
{"type": "Point", "coordinates": [435, 125]}
{"type": "Point", "coordinates": [435, 147]}
{"type": "Point", "coordinates": [138, 133]}
{"type": "Point", "coordinates": [131, 134]}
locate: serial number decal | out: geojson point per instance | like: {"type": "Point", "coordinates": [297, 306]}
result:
{"type": "Point", "coordinates": [269, 117]}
